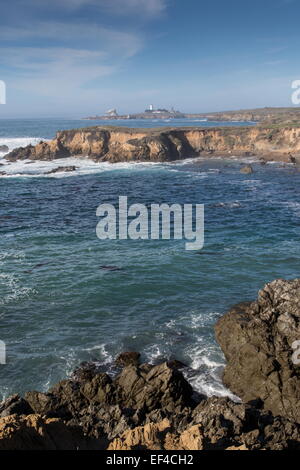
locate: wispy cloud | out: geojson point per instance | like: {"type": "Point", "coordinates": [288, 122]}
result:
{"type": "Point", "coordinates": [60, 74]}
{"type": "Point", "coordinates": [276, 50]}
{"type": "Point", "coordinates": [105, 40]}
{"type": "Point", "coordinates": [273, 63]}
{"type": "Point", "coordinates": [118, 7]}
{"type": "Point", "coordinates": [73, 56]}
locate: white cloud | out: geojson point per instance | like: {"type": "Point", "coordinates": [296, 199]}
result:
{"type": "Point", "coordinates": [63, 63]}
{"type": "Point", "coordinates": [108, 41]}
{"type": "Point", "coordinates": [65, 68]}
{"type": "Point", "coordinates": [117, 7]}
{"type": "Point", "coordinates": [54, 72]}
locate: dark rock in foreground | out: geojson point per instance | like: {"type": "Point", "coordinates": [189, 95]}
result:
{"type": "Point", "coordinates": [257, 340]}
{"type": "Point", "coordinates": [154, 407]}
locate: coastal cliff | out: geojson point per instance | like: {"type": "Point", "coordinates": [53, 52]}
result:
{"type": "Point", "coordinates": [118, 144]}
{"type": "Point", "coordinates": [153, 407]}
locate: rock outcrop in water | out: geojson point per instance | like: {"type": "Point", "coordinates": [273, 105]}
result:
{"type": "Point", "coordinates": [61, 169]}
{"type": "Point", "coordinates": [154, 407]}
{"type": "Point", "coordinates": [115, 144]}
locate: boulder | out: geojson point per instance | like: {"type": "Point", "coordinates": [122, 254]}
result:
{"type": "Point", "coordinates": [4, 148]}
{"type": "Point", "coordinates": [154, 387]}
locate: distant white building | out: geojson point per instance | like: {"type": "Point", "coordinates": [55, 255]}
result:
{"type": "Point", "coordinates": [111, 113]}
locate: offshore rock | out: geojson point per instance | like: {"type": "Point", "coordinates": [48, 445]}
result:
{"type": "Point", "coordinates": [60, 169]}
{"type": "Point", "coordinates": [246, 170]}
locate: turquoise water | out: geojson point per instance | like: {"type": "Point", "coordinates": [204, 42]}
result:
{"type": "Point", "coordinates": [59, 306]}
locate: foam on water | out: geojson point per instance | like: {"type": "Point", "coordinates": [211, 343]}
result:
{"type": "Point", "coordinates": [12, 288]}
{"type": "Point", "coordinates": [84, 166]}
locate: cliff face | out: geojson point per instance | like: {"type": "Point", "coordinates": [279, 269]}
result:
{"type": "Point", "coordinates": [258, 342]}
{"type": "Point", "coordinates": [167, 144]}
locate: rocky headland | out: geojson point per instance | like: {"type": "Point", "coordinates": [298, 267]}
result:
{"type": "Point", "coordinates": [120, 144]}
{"type": "Point", "coordinates": [259, 115]}
{"type": "Point", "coordinates": [154, 407]}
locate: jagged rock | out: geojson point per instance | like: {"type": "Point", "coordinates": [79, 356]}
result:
{"type": "Point", "coordinates": [257, 340]}
{"type": "Point", "coordinates": [159, 436]}
{"type": "Point", "coordinates": [106, 407]}
{"type": "Point", "coordinates": [246, 170]}
{"type": "Point", "coordinates": [86, 371]}
{"type": "Point", "coordinates": [15, 405]}
{"type": "Point", "coordinates": [21, 153]}
{"type": "Point", "coordinates": [128, 358]}
{"type": "Point", "coordinates": [151, 436]}
{"type": "Point", "coordinates": [226, 423]}
{"type": "Point", "coordinates": [192, 439]}
{"type": "Point", "coordinates": [64, 400]}
{"type": "Point", "coordinates": [34, 432]}
{"type": "Point", "coordinates": [155, 387]}
{"type": "Point", "coordinates": [99, 389]}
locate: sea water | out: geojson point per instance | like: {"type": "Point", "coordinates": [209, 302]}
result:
{"type": "Point", "coordinates": [68, 297]}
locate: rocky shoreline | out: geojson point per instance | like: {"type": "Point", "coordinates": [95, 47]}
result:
{"type": "Point", "coordinates": [154, 407]}
{"type": "Point", "coordinates": [121, 144]}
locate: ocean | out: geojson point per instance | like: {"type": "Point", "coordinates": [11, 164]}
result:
{"type": "Point", "coordinates": [61, 304]}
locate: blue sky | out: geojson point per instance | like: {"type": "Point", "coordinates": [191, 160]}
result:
{"type": "Point", "coordinates": [81, 57]}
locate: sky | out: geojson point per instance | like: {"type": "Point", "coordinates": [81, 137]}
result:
{"type": "Point", "coordinates": [74, 58]}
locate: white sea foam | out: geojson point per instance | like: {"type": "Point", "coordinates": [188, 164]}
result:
{"type": "Point", "coordinates": [293, 206]}
{"type": "Point", "coordinates": [84, 166]}
{"type": "Point", "coordinates": [205, 374]}
{"type": "Point", "coordinates": [13, 290]}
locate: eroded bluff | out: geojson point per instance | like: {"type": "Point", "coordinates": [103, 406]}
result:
{"type": "Point", "coordinates": [115, 144]}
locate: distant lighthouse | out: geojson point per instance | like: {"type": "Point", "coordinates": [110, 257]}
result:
{"type": "Point", "coordinates": [151, 107]}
